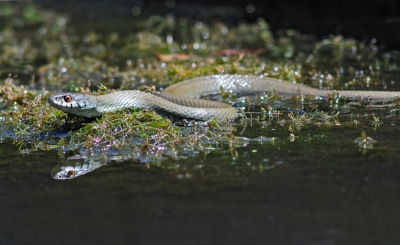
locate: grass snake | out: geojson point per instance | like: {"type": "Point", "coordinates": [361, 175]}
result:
{"type": "Point", "coordinates": [181, 100]}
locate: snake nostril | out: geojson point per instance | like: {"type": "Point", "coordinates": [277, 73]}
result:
{"type": "Point", "coordinates": [67, 98]}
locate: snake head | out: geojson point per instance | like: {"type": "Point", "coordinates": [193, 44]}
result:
{"type": "Point", "coordinates": [73, 103]}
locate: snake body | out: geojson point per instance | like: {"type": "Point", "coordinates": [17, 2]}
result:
{"type": "Point", "coordinates": [181, 100]}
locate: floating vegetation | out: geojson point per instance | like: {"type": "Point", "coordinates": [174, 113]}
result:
{"type": "Point", "coordinates": [41, 53]}
{"type": "Point", "coordinates": [364, 142]}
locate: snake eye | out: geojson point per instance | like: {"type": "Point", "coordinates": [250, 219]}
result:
{"type": "Point", "coordinates": [67, 98]}
{"type": "Point", "coordinates": [71, 174]}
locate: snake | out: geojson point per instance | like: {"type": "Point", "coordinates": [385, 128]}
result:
{"type": "Point", "coordinates": [182, 100]}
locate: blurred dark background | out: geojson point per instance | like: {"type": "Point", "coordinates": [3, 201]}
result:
{"type": "Point", "coordinates": [363, 20]}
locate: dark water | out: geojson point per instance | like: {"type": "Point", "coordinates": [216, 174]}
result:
{"type": "Point", "coordinates": [318, 189]}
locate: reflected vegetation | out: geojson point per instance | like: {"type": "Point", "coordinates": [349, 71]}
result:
{"type": "Point", "coordinates": [88, 160]}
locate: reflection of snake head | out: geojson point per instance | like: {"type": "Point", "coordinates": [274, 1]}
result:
{"type": "Point", "coordinates": [67, 172]}
{"type": "Point", "coordinates": [62, 175]}
{"type": "Point", "coordinates": [78, 104]}
{"type": "Point", "coordinates": [72, 169]}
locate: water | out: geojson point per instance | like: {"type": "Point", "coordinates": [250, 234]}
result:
{"type": "Point", "coordinates": [318, 189]}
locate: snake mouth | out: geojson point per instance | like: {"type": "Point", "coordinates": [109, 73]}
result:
{"type": "Point", "coordinates": [76, 104]}
{"type": "Point", "coordinates": [54, 100]}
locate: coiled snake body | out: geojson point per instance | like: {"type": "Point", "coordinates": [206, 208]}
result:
{"type": "Point", "coordinates": [181, 100]}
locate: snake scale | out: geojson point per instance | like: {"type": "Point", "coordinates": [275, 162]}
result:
{"type": "Point", "coordinates": [181, 100]}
